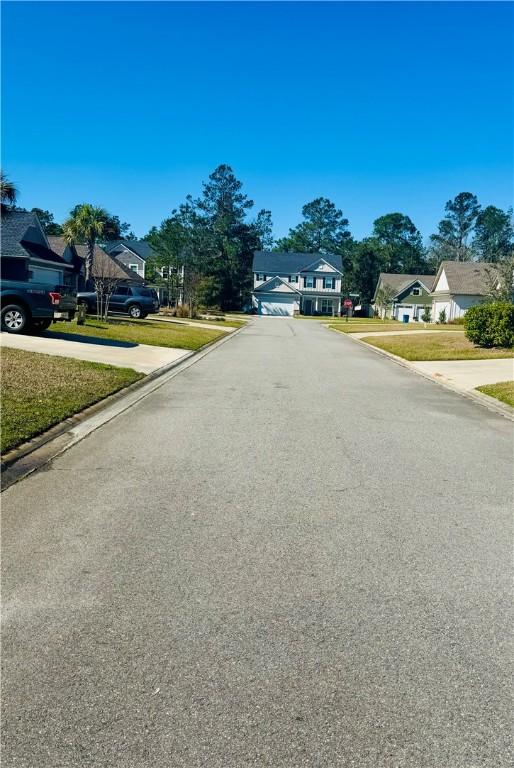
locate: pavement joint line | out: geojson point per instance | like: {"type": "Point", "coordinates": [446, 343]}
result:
{"type": "Point", "coordinates": [36, 453]}
{"type": "Point", "coordinates": [478, 397]}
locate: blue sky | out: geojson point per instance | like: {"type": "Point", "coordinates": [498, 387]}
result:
{"type": "Point", "coordinates": [380, 106]}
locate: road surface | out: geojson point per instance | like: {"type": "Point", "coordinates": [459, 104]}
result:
{"type": "Point", "coordinates": [295, 553]}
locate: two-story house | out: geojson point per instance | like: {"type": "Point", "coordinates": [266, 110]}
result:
{"type": "Point", "coordinates": [132, 253]}
{"type": "Point", "coordinates": [287, 282]}
{"type": "Point", "coordinates": [408, 295]}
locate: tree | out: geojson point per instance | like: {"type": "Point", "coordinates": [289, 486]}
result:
{"type": "Point", "coordinates": [264, 228]}
{"type": "Point", "coordinates": [168, 243]}
{"type": "Point", "coordinates": [8, 192]}
{"type": "Point", "coordinates": [402, 243]}
{"type": "Point", "coordinates": [325, 230]}
{"type": "Point", "coordinates": [500, 279]}
{"type": "Point", "coordinates": [86, 225]}
{"type": "Point", "coordinates": [451, 240]}
{"type": "Point", "coordinates": [113, 229]}
{"type": "Point", "coordinates": [46, 219]}
{"type": "Point", "coordinates": [384, 299]}
{"type": "Point", "coordinates": [106, 278]}
{"type": "Point", "coordinates": [494, 234]}
{"type": "Point", "coordinates": [369, 260]}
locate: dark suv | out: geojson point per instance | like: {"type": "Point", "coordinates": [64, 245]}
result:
{"type": "Point", "coordinates": [133, 300]}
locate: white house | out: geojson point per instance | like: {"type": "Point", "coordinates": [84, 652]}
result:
{"type": "Point", "coordinates": [287, 282]}
{"type": "Point", "coordinates": [459, 285]}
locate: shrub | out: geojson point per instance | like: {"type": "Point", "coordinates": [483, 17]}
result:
{"type": "Point", "coordinates": [442, 317]}
{"type": "Point", "coordinates": [426, 315]}
{"type": "Point", "coordinates": [490, 325]}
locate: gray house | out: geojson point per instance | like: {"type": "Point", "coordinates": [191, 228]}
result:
{"type": "Point", "coordinates": [103, 263]}
{"type": "Point", "coordinates": [132, 253]}
{"type": "Point", "coordinates": [27, 254]}
{"type": "Point", "coordinates": [459, 285]}
{"type": "Point", "coordinates": [285, 283]}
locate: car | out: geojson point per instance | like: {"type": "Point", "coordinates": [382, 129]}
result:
{"type": "Point", "coordinates": [30, 307]}
{"type": "Point", "coordinates": [137, 301]}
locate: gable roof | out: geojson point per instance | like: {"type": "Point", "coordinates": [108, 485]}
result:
{"type": "Point", "coordinates": [264, 286]}
{"type": "Point", "coordinates": [291, 262]}
{"type": "Point", "coordinates": [399, 282]}
{"type": "Point", "coordinates": [23, 237]}
{"type": "Point", "coordinates": [140, 247]}
{"type": "Point", "coordinates": [468, 277]}
{"type": "Point", "coordinates": [106, 263]}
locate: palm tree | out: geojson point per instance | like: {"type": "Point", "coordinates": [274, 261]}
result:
{"type": "Point", "coordinates": [85, 225]}
{"type": "Point", "coordinates": [8, 192]}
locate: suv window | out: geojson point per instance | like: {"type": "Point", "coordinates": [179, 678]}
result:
{"type": "Point", "coordinates": [145, 292]}
{"type": "Point", "coordinates": [122, 290]}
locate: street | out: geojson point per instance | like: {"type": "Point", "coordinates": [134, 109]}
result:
{"type": "Point", "coordinates": [294, 553]}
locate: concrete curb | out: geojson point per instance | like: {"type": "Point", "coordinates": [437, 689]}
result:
{"type": "Point", "coordinates": [35, 453]}
{"type": "Point", "coordinates": [478, 397]}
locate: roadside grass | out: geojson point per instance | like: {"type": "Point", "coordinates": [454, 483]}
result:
{"type": "Point", "coordinates": [153, 332]}
{"type": "Point", "coordinates": [214, 321]}
{"type": "Point", "coordinates": [436, 346]}
{"type": "Point", "coordinates": [379, 327]}
{"type": "Point", "coordinates": [503, 390]}
{"type": "Point", "coordinates": [39, 391]}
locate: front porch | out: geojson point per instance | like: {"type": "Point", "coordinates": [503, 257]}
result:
{"type": "Point", "coordinates": [320, 305]}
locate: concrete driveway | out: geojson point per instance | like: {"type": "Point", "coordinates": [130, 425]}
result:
{"type": "Point", "coordinates": [139, 357]}
{"type": "Point", "coordinates": [295, 553]}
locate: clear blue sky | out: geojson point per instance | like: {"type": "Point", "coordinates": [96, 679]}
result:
{"type": "Point", "coordinates": [380, 106]}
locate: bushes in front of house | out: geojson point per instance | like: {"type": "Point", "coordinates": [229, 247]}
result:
{"type": "Point", "coordinates": [490, 325]}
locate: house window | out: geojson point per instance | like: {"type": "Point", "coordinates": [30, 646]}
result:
{"type": "Point", "coordinates": [134, 267]}
{"type": "Point", "coordinates": [310, 282]}
{"type": "Point", "coordinates": [327, 307]}
{"type": "Point", "coordinates": [329, 282]}
{"type": "Point", "coordinates": [289, 279]}
{"type": "Point", "coordinates": [416, 291]}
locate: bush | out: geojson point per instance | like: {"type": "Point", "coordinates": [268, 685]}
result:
{"type": "Point", "coordinates": [490, 325]}
{"type": "Point", "coordinates": [427, 314]}
{"type": "Point", "coordinates": [442, 317]}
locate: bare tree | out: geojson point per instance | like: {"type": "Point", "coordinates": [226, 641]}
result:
{"type": "Point", "coordinates": [384, 299]}
{"type": "Point", "coordinates": [106, 276]}
{"type": "Point", "coordinates": [500, 280]}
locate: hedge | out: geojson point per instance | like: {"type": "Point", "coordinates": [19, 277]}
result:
{"type": "Point", "coordinates": [490, 325]}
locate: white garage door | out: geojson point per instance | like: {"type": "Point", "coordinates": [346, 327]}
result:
{"type": "Point", "coordinates": [283, 305]}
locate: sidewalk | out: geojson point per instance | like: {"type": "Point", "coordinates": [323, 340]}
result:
{"type": "Point", "coordinates": [467, 374]}
{"type": "Point", "coordinates": [140, 357]}
{"type": "Point", "coordinates": [179, 321]}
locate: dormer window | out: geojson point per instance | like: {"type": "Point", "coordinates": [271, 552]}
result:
{"type": "Point", "coordinates": [260, 276]}
{"type": "Point", "coordinates": [416, 291]}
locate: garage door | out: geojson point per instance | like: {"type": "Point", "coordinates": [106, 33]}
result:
{"type": "Point", "coordinates": [277, 306]}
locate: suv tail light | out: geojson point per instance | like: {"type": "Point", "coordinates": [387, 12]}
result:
{"type": "Point", "coordinates": [55, 297]}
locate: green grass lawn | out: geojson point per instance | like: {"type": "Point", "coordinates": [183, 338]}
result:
{"type": "Point", "coordinates": [39, 391]}
{"type": "Point", "coordinates": [379, 327]}
{"type": "Point", "coordinates": [140, 332]}
{"type": "Point", "coordinates": [435, 346]}
{"type": "Point", "coordinates": [503, 390]}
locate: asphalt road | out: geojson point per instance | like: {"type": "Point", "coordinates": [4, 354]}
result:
{"type": "Point", "coordinates": [295, 553]}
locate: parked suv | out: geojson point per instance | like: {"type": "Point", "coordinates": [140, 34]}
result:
{"type": "Point", "coordinates": [133, 300]}
{"type": "Point", "coordinates": [32, 307]}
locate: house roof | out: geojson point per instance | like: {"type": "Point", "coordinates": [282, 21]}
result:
{"type": "Point", "coordinates": [22, 237]}
{"type": "Point", "coordinates": [104, 263]}
{"type": "Point", "coordinates": [291, 262]}
{"type": "Point", "coordinates": [468, 277]}
{"type": "Point", "coordinates": [399, 282]}
{"type": "Point", "coordinates": [140, 247]}
{"type": "Point", "coordinates": [264, 287]}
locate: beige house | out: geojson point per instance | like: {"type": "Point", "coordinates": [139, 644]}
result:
{"type": "Point", "coordinates": [459, 285]}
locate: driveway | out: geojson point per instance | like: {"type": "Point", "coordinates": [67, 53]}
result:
{"type": "Point", "coordinates": [294, 553]}
{"type": "Point", "coordinates": [139, 357]}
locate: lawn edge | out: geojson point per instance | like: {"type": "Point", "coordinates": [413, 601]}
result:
{"type": "Point", "coordinates": [478, 397]}
{"type": "Point", "coordinates": [39, 450]}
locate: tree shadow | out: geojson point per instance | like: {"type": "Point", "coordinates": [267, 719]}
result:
{"type": "Point", "coordinates": [90, 340]}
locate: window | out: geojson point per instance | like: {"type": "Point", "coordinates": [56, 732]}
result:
{"type": "Point", "coordinates": [327, 307]}
{"type": "Point", "coordinates": [122, 290]}
{"type": "Point", "coordinates": [133, 267]}
{"type": "Point", "coordinates": [416, 291]}
{"type": "Point", "coordinates": [310, 282]}
{"type": "Point", "coordinates": [329, 282]}
{"type": "Point", "coordinates": [289, 279]}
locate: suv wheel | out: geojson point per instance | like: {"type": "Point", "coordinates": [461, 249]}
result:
{"type": "Point", "coordinates": [135, 311]}
{"type": "Point", "coordinates": [15, 318]}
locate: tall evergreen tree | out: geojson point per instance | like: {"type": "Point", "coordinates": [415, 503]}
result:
{"type": "Point", "coordinates": [451, 241]}
{"type": "Point", "coordinates": [264, 227]}
{"type": "Point", "coordinates": [46, 219]}
{"type": "Point", "coordinates": [494, 234]}
{"type": "Point", "coordinates": [325, 230]}
{"type": "Point", "coordinates": [401, 242]}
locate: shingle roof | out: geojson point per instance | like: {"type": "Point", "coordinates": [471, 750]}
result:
{"type": "Point", "coordinates": [398, 282]}
{"type": "Point", "coordinates": [104, 263]}
{"type": "Point", "coordinates": [287, 262]}
{"type": "Point", "coordinates": [22, 237]}
{"type": "Point", "coordinates": [140, 247]}
{"type": "Point", "coordinates": [468, 277]}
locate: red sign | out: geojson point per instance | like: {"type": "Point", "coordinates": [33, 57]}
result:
{"type": "Point", "coordinates": [348, 303]}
